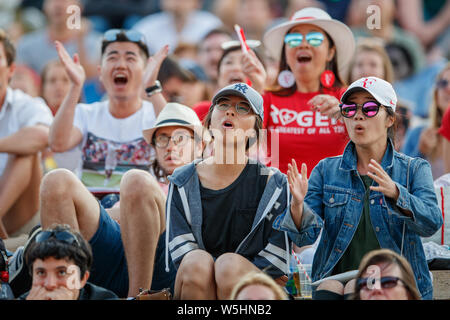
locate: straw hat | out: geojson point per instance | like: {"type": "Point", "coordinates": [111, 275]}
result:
{"type": "Point", "coordinates": [341, 34]}
{"type": "Point", "coordinates": [173, 114]}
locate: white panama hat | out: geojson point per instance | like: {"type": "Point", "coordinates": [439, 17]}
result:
{"type": "Point", "coordinates": [174, 114]}
{"type": "Point", "coordinates": [341, 34]}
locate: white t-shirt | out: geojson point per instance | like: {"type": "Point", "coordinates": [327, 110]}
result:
{"type": "Point", "coordinates": [159, 29]}
{"type": "Point", "coordinates": [115, 143]}
{"type": "Point", "coordinates": [20, 110]}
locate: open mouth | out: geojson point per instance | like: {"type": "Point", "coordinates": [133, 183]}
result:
{"type": "Point", "coordinates": [304, 58]}
{"type": "Point", "coordinates": [227, 125]}
{"type": "Point", "coordinates": [120, 79]}
{"type": "Point", "coordinates": [359, 129]}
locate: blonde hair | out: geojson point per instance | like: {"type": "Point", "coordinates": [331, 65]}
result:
{"type": "Point", "coordinates": [435, 113]}
{"type": "Point", "coordinates": [259, 278]}
{"type": "Point", "coordinates": [373, 45]}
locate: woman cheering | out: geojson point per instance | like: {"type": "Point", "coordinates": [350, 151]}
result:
{"type": "Point", "coordinates": [313, 50]}
{"type": "Point", "coordinates": [220, 210]}
{"type": "Point", "coordinates": [368, 198]}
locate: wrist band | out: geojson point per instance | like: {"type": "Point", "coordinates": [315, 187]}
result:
{"type": "Point", "coordinates": [154, 89]}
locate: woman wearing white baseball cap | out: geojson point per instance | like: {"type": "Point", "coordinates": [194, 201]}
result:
{"type": "Point", "coordinates": [313, 49]}
{"type": "Point", "coordinates": [368, 198]}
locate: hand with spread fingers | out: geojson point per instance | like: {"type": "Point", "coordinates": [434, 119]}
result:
{"type": "Point", "coordinates": [385, 184]}
{"type": "Point", "coordinates": [153, 65]}
{"type": "Point", "coordinates": [298, 186]}
{"type": "Point", "coordinates": [73, 67]}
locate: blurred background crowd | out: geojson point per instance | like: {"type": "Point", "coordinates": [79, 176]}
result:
{"type": "Point", "coordinates": [414, 35]}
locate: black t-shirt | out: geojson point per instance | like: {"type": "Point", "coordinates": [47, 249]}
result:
{"type": "Point", "coordinates": [228, 213]}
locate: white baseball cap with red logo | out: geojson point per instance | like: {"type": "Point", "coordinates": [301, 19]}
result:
{"type": "Point", "coordinates": [380, 89]}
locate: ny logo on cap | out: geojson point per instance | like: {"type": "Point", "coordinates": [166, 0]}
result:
{"type": "Point", "coordinates": [241, 87]}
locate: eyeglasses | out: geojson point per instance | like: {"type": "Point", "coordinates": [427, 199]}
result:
{"type": "Point", "coordinates": [132, 35]}
{"type": "Point", "coordinates": [178, 139]}
{"type": "Point", "coordinates": [385, 283]}
{"type": "Point", "coordinates": [241, 107]}
{"type": "Point", "coordinates": [369, 109]}
{"type": "Point", "coordinates": [314, 38]}
{"type": "Point", "coordinates": [442, 83]}
{"type": "Point", "coordinates": [64, 236]}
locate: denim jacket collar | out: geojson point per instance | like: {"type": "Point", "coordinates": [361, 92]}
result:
{"type": "Point", "coordinates": [349, 157]}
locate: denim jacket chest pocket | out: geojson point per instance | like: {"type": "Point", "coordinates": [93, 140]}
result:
{"type": "Point", "coordinates": [334, 206]}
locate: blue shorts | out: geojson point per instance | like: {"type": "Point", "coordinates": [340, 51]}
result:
{"type": "Point", "coordinates": [109, 267]}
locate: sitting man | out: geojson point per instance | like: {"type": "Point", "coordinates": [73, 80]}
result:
{"type": "Point", "coordinates": [59, 261]}
{"type": "Point", "coordinates": [24, 123]}
{"type": "Point", "coordinates": [129, 248]}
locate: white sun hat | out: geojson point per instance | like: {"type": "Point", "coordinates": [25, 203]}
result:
{"type": "Point", "coordinates": [341, 34]}
{"type": "Point", "coordinates": [174, 114]}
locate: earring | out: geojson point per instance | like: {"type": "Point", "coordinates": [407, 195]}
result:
{"type": "Point", "coordinates": [286, 79]}
{"type": "Point", "coordinates": [327, 78]}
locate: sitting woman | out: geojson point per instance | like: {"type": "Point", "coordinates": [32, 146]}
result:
{"type": "Point", "coordinates": [385, 275]}
{"type": "Point", "coordinates": [368, 198]}
{"type": "Point", "coordinates": [220, 210]}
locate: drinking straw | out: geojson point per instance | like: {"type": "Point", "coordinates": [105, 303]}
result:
{"type": "Point", "coordinates": [300, 264]}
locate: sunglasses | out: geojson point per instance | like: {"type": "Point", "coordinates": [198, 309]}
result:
{"type": "Point", "coordinates": [241, 106]}
{"type": "Point", "coordinates": [64, 236]}
{"type": "Point", "coordinates": [385, 283]}
{"type": "Point", "coordinates": [442, 83]}
{"type": "Point", "coordinates": [132, 35]}
{"type": "Point", "coordinates": [369, 109]}
{"type": "Point", "coordinates": [314, 38]}
{"type": "Point", "coordinates": [180, 139]}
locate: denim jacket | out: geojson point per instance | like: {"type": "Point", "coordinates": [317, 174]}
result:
{"type": "Point", "coordinates": [336, 194]}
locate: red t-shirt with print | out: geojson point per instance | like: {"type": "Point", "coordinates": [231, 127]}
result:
{"type": "Point", "coordinates": [303, 134]}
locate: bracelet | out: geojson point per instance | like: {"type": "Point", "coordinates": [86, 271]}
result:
{"type": "Point", "coordinates": [157, 88]}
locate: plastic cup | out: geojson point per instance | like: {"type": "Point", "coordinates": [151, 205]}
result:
{"type": "Point", "coordinates": [304, 273]}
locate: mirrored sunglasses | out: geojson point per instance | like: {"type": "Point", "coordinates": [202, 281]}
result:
{"type": "Point", "coordinates": [314, 38]}
{"type": "Point", "coordinates": [369, 109]}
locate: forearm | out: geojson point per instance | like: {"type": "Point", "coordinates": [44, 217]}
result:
{"type": "Point", "coordinates": [26, 141]}
{"type": "Point", "coordinates": [296, 214]}
{"type": "Point", "coordinates": [158, 101]}
{"type": "Point", "coordinates": [411, 19]}
{"type": "Point", "coordinates": [61, 128]}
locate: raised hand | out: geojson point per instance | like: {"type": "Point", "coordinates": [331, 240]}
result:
{"type": "Point", "coordinates": [385, 184]}
{"type": "Point", "coordinates": [298, 186]}
{"type": "Point", "coordinates": [73, 67]}
{"type": "Point", "coordinates": [254, 70]}
{"type": "Point", "coordinates": [153, 66]}
{"type": "Point", "coordinates": [325, 104]}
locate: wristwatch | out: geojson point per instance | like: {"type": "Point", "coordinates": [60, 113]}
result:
{"type": "Point", "coordinates": [156, 88]}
